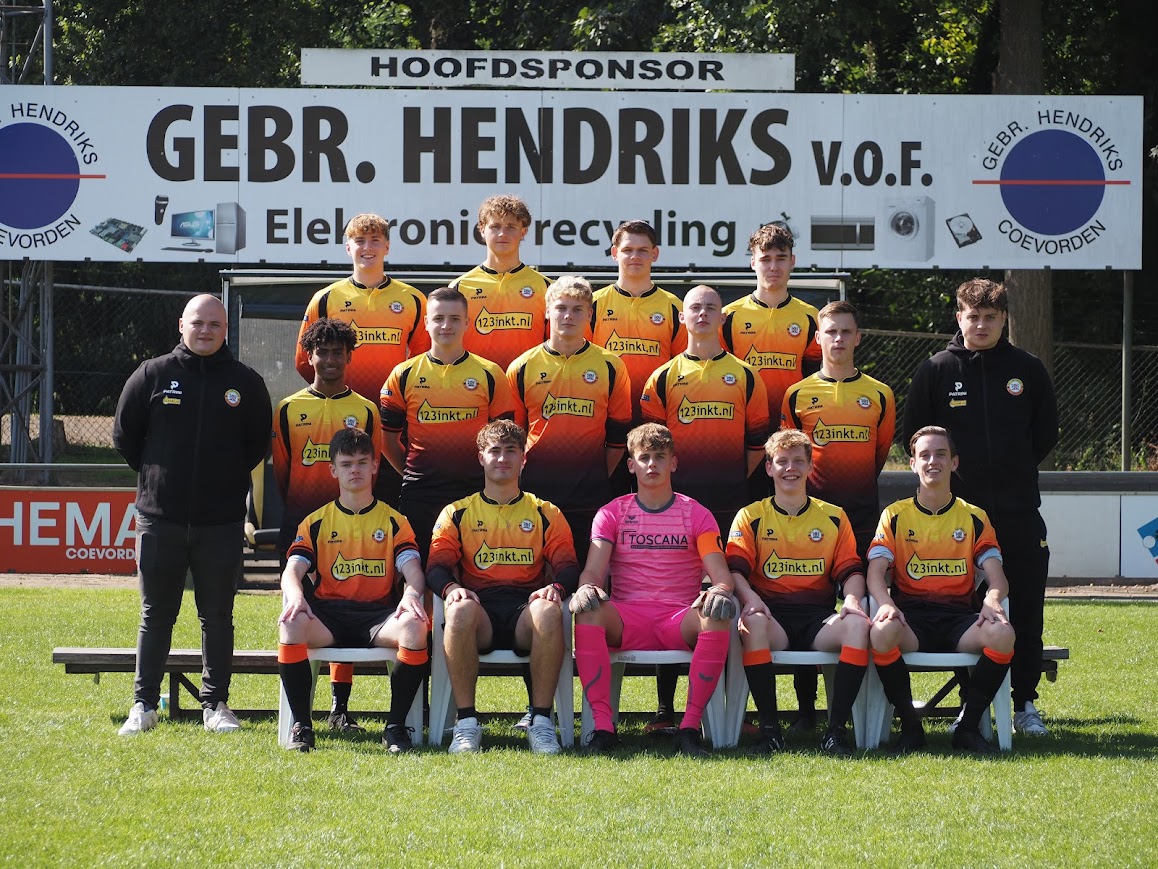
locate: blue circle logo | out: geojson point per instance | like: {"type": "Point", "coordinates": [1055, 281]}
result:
{"type": "Point", "coordinates": [39, 176]}
{"type": "Point", "coordinates": [1052, 182]}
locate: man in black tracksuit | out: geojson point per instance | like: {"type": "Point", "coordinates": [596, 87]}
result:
{"type": "Point", "coordinates": [193, 424]}
{"type": "Point", "coordinates": [998, 403]}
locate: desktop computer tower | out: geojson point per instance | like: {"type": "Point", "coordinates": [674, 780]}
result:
{"type": "Point", "coordinates": [230, 227]}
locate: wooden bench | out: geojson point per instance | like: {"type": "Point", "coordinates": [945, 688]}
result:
{"type": "Point", "coordinates": [179, 663]}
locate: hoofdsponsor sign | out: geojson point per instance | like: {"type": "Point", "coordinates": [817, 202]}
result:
{"type": "Point", "coordinates": [67, 530]}
{"type": "Point", "coordinates": [271, 176]}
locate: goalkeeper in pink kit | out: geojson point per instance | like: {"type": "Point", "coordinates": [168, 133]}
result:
{"type": "Point", "coordinates": [655, 546]}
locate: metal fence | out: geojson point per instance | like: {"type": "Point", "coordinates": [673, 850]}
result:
{"type": "Point", "coordinates": [103, 334]}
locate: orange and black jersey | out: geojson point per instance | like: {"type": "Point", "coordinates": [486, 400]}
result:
{"type": "Point", "coordinates": [506, 312]}
{"type": "Point", "coordinates": [353, 554]}
{"type": "Point", "coordinates": [440, 408]}
{"type": "Point", "coordinates": [574, 408]}
{"type": "Point", "coordinates": [484, 545]}
{"type": "Point", "coordinates": [934, 556]}
{"type": "Point", "coordinates": [303, 426]}
{"type": "Point", "coordinates": [851, 424]}
{"type": "Point", "coordinates": [644, 331]}
{"type": "Point", "coordinates": [779, 343]}
{"type": "Point", "coordinates": [388, 320]}
{"type": "Point", "coordinates": [793, 558]}
{"type": "Point", "coordinates": [717, 410]}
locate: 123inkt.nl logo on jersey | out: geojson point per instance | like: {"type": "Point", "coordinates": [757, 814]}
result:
{"type": "Point", "coordinates": [1055, 172]}
{"type": "Point", "coordinates": [48, 161]}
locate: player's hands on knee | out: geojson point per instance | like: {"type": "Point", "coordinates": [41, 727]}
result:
{"type": "Point", "coordinates": [587, 598]}
{"type": "Point", "coordinates": [293, 608]}
{"type": "Point", "coordinates": [716, 603]}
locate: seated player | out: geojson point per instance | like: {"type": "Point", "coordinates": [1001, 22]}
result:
{"type": "Point", "coordinates": [367, 591]}
{"type": "Point", "coordinates": [935, 543]}
{"type": "Point", "coordinates": [503, 561]}
{"type": "Point", "coordinates": [656, 546]}
{"type": "Point", "coordinates": [788, 555]}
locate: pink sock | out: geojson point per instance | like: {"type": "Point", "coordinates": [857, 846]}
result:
{"type": "Point", "coordinates": [593, 662]}
{"type": "Point", "coordinates": [704, 672]}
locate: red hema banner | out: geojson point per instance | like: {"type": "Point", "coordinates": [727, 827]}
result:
{"type": "Point", "coordinates": [63, 530]}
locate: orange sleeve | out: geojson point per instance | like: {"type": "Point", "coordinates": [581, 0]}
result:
{"type": "Point", "coordinates": [708, 543]}
{"type": "Point", "coordinates": [420, 340]}
{"type": "Point", "coordinates": [845, 561]}
{"type": "Point", "coordinates": [619, 410]}
{"type": "Point", "coordinates": [301, 359]}
{"type": "Point", "coordinates": [757, 415]}
{"type": "Point", "coordinates": [812, 356]}
{"type": "Point", "coordinates": [741, 547]}
{"type": "Point", "coordinates": [445, 543]}
{"type": "Point", "coordinates": [517, 400]}
{"type": "Point", "coordinates": [652, 403]}
{"type": "Point", "coordinates": [887, 429]}
{"type": "Point", "coordinates": [503, 398]}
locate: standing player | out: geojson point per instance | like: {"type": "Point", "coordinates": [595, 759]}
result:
{"type": "Point", "coordinates": [999, 404]}
{"type": "Point", "coordinates": [503, 560]}
{"type": "Point", "coordinates": [367, 591]}
{"type": "Point", "coordinates": [788, 555]}
{"type": "Point", "coordinates": [385, 314]}
{"type": "Point", "coordinates": [506, 311]}
{"type": "Point", "coordinates": [573, 397]}
{"type": "Point", "coordinates": [771, 329]}
{"type": "Point", "coordinates": [851, 419]}
{"type": "Point", "coordinates": [303, 425]}
{"type": "Point", "coordinates": [656, 546]}
{"type": "Point", "coordinates": [716, 408]}
{"type": "Point", "coordinates": [933, 544]}
{"type": "Point", "coordinates": [433, 406]}
{"type": "Point", "coordinates": [633, 318]}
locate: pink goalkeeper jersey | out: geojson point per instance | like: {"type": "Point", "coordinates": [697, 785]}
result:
{"type": "Point", "coordinates": [657, 556]}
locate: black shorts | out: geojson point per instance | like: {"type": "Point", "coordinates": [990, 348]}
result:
{"type": "Point", "coordinates": [504, 607]}
{"type": "Point", "coordinates": [938, 626]}
{"type": "Point", "coordinates": [802, 622]}
{"type": "Point", "coordinates": [353, 624]}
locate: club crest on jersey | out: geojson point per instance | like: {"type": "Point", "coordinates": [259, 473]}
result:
{"type": "Point", "coordinates": [730, 379]}
{"type": "Point", "coordinates": [396, 307]}
{"type": "Point", "coordinates": [815, 535]}
{"type": "Point", "coordinates": [527, 525]}
{"type": "Point", "coordinates": [958, 534]}
{"type": "Point", "coordinates": [526, 292]}
{"type": "Point", "coordinates": [232, 397]}
{"type": "Point", "coordinates": [590, 376]}
{"type": "Point", "coordinates": [379, 535]}
{"type": "Point", "coordinates": [1015, 387]}
{"type": "Point", "coordinates": [470, 383]}
{"type": "Point", "coordinates": [794, 329]}
{"type": "Point", "coordinates": [865, 402]}
{"type": "Point", "coordinates": [350, 422]}
{"type": "Point", "coordinates": [657, 318]}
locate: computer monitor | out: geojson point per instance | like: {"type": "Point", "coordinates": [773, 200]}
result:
{"type": "Point", "coordinates": [197, 226]}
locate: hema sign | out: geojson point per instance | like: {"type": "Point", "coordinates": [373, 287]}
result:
{"type": "Point", "coordinates": [270, 176]}
{"type": "Point", "coordinates": [67, 530]}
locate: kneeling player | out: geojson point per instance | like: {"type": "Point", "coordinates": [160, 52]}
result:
{"type": "Point", "coordinates": [367, 591]}
{"type": "Point", "coordinates": [935, 542]}
{"type": "Point", "coordinates": [503, 561]}
{"type": "Point", "coordinates": [656, 545]}
{"type": "Point", "coordinates": [788, 554]}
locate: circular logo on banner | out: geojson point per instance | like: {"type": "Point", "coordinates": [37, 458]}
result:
{"type": "Point", "coordinates": [232, 397]}
{"type": "Point", "coordinates": [1052, 182]}
{"type": "Point", "coordinates": [39, 176]}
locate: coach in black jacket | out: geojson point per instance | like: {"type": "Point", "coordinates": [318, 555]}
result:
{"type": "Point", "coordinates": [193, 424]}
{"type": "Point", "coordinates": [999, 404]}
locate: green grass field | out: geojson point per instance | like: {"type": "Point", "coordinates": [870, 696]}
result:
{"type": "Point", "coordinates": [75, 794]}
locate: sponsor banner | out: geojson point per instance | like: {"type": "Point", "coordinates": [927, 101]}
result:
{"type": "Point", "coordinates": [271, 176]}
{"type": "Point", "coordinates": [542, 70]}
{"type": "Point", "coordinates": [67, 530]}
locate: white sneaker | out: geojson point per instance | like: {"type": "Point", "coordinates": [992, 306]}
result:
{"type": "Point", "coordinates": [541, 736]}
{"type": "Point", "coordinates": [220, 719]}
{"type": "Point", "coordinates": [1028, 721]}
{"type": "Point", "coordinates": [467, 736]}
{"type": "Point", "coordinates": [139, 720]}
